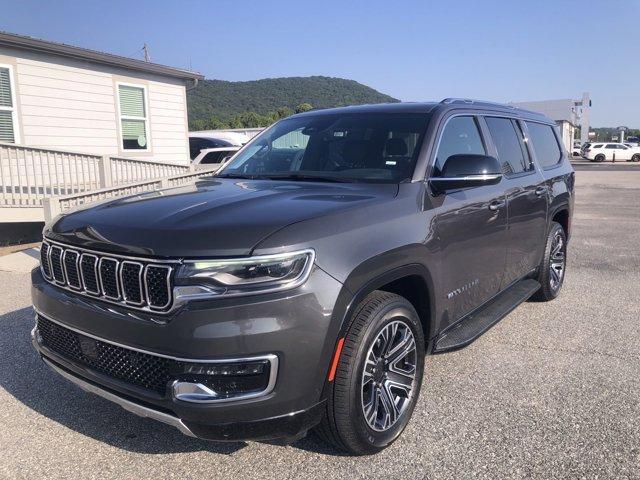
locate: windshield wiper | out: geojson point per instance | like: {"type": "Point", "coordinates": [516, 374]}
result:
{"type": "Point", "coordinates": [237, 175]}
{"type": "Point", "coordinates": [307, 178]}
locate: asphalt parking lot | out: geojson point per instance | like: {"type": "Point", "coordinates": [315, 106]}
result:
{"type": "Point", "coordinates": [551, 392]}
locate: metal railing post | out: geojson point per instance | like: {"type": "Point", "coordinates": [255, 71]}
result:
{"type": "Point", "coordinates": [104, 172]}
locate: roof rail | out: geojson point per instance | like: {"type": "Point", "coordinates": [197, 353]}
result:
{"type": "Point", "coordinates": [480, 103]}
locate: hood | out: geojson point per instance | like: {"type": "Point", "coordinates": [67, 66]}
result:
{"type": "Point", "coordinates": [214, 217]}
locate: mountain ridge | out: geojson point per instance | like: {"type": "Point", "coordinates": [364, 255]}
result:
{"type": "Point", "coordinates": [223, 104]}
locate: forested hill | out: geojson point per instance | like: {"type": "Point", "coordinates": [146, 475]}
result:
{"type": "Point", "coordinates": [223, 104]}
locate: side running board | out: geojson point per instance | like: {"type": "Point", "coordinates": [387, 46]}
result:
{"type": "Point", "coordinates": [476, 323]}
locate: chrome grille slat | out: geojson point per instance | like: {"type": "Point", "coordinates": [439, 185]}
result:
{"type": "Point", "coordinates": [44, 261]}
{"type": "Point", "coordinates": [55, 260]}
{"type": "Point", "coordinates": [131, 282]}
{"type": "Point", "coordinates": [108, 274]}
{"type": "Point", "coordinates": [70, 259]}
{"type": "Point", "coordinates": [89, 273]}
{"type": "Point", "coordinates": [136, 283]}
{"type": "Point", "coordinates": [154, 278]}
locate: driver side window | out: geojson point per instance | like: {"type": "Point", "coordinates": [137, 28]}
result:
{"type": "Point", "coordinates": [460, 135]}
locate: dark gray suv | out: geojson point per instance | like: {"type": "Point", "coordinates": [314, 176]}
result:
{"type": "Point", "coordinates": [303, 285]}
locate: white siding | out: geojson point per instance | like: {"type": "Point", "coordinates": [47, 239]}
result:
{"type": "Point", "coordinates": [169, 136]}
{"type": "Point", "coordinates": [66, 107]}
{"type": "Point", "coordinates": [72, 105]}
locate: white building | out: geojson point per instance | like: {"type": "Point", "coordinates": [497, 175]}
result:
{"type": "Point", "coordinates": [57, 96]}
{"type": "Point", "coordinates": [567, 113]}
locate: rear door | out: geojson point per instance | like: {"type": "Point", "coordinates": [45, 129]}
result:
{"type": "Point", "coordinates": [623, 153]}
{"type": "Point", "coordinates": [526, 194]}
{"type": "Point", "coordinates": [610, 151]}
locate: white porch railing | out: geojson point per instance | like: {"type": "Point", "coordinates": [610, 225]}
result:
{"type": "Point", "coordinates": [55, 205]}
{"type": "Point", "coordinates": [29, 175]}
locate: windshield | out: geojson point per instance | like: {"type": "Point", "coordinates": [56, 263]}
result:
{"type": "Point", "coordinates": [348, 147]}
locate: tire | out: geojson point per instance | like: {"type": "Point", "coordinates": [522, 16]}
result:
{"type": "Point", "coordinates": [599, 158]}
{"type": "Point", "coordinates": [554, 260]}
{"type": "Point", "coordinates": [636, 157]}
{"type": "Point", "coordinates": [353, 390]}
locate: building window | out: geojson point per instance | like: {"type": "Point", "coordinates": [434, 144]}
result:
{"type": "Point", "coordinates": [8, 117]}
{"type": "Point", "coordinates": [134, 123]}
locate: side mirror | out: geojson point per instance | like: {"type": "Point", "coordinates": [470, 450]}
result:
{"type": "Point", "coordinates": [465, 171]}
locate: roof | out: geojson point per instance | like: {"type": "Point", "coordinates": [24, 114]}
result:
{"type": "Point", "coordinates": [42, 46]}
{"type": "Point", "coordinates": [396, 107]}
{"type": "Point", "coordinates": [428, 107]}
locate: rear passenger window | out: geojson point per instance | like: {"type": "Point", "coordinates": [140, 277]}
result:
{"type": "Point", "coordinates": [460, 135]}
{"type": "Point", "coordinates": [545, 144]}
{"type": "Point", "coordinates": [507, 138]}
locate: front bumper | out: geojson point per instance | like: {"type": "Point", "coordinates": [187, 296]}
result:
{"type": "Point", "coordinates": [294, 326]}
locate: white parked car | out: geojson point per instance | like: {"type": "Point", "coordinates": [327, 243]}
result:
{"type": "Point", "coordinates": [213, 156]}
{"type": "Point", "coordinates": [209, 139]}
{"type": "Point", "coordinates": [611, 151]}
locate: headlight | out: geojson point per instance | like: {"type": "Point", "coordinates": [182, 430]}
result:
{"type": "Point", "coordinates": [199, 279]}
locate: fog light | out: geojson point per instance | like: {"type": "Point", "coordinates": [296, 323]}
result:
{"type": "Point", "coordinates": [216, 382]}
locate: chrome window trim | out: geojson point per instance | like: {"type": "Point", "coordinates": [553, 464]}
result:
{"type": "Point", "coordinates": [140, 280]}
{"type": "Point", "coordinates": [168, 281]}
{"type": "Point", "coordinates": [469, 177]}
{"type": "Point", "coordinates": [95, 272]}
{"type": "Point", "coordinates": [102, 290]}
{"type": "Point", "coordinates": [66, 273]}
{"type": "Point", "coordinates": [272, 358]}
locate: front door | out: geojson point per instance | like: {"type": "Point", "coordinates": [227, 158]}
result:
{"type": "Point", "coordinates": [527, 198]}
{"type": "Point", "coordinates": [469, 228]}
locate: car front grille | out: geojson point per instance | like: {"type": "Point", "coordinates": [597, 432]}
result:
{"type": "Point", "coordinates": [136, 283]}
{"type": "Point", "coordinates": [229, 378]}
{"type": "Point", "coordinates": [140, 369]}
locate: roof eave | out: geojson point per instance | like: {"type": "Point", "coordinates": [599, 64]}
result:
{"type": "Point", "coordinates": [69, 51]}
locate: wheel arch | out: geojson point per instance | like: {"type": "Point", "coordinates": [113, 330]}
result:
{"type": "Point", "coordinates": [411, 280]}
{"type": "Point", "coordinates": [561, 215]}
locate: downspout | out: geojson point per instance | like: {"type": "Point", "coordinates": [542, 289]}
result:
{"type": "Point", "coordinates": [195, 84]}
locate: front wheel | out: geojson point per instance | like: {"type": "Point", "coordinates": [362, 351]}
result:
{"type": "Point", "coordinates": [553, 266]}
{"type": "Point", "coordinates": [378, 378]}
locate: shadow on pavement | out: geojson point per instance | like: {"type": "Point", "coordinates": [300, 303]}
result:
{"type": "Point", "coordinates": [28, 379]}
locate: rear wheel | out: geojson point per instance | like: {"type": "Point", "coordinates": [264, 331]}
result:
{"type": "Point", "coordinates": [553, 265]}
{"type": "Point", "coordinates": [600, 158]}
{"type": "Point", "coordinates": [378, 378]}
{"type": "Point", "coordinates": [636, 157]}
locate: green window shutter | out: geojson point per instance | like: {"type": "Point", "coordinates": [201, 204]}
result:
{"type": "Point", "coordinates": [6, 127]}
{"type": "Point", "coordinates": [5, 88]}
{"type": "Point", "coordinates": [131, 101]}
{"type": "Point", "coordinates": [134, 135]}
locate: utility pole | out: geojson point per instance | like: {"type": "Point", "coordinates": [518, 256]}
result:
{"type": "Point", "coordinates": [145, 48]}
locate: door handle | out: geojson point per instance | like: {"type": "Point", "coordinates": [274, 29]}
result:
{"type": "Point", "coordinates": [541, 191]}
{"type": "Point", "coordinates": [496, 205]}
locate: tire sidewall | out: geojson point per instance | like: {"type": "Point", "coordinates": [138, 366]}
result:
{"type": "Point", "coordinates": [392, 312]}
{"type": "Point", "coordinates": [551, 293]}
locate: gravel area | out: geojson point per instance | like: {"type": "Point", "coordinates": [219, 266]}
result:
{"type": "Point", "coordinates": [550, 392]}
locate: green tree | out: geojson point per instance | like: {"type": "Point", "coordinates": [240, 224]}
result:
{"type": "Point", "coordinates": [304, 107]}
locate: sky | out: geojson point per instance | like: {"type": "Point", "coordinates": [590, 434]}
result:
{"type": "Point", "coordinates": [414, 50]}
